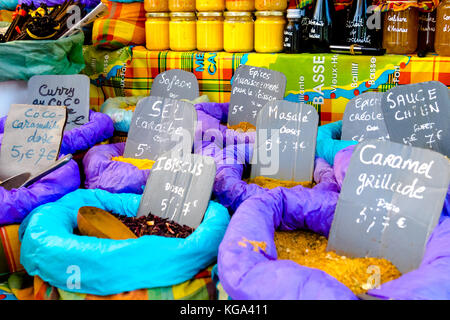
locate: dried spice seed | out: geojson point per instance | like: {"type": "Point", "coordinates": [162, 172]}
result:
{"type": "Point", "coordinates": [309, 249]}
{"type": "Point", "coordinates": [154, 225]}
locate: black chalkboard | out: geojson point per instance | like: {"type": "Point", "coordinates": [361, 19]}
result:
{"type": "Point", "coordinates": [391, 200]}
{"type": "Point", "coordinates": [158, 125]}
{"type": "Point", "coordinates": [251, 89]}
{"type": "Point", "coordinates": [71, 91]}
{"type": "Point", "coordinates": [179, 188]}
{"type": "Point", "coordinates": [31, 139]}
{"type": "Point", "coordinates": [419, 115]}
{"type": "Point", "coordinates": [363, 118]}
{"type": "Point", "coordinates": [175, 84]}
{"type": "Point", "coordinates": [286, 141]}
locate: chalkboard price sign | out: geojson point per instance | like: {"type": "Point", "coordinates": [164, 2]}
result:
{"type": "Point", "coordinates": [391, 200]}
{"type": "Point", "coordinates": [175, 84]}
{"type": "Point", "coordinates": [158, 125]}
{"type": "Point", "coordinates": [252, 88]}
{"type": "Point", "coordinates": [418, 115]}
{"type": "Point", "coordinates": [31, 139]}
{"type": "Point", "coordinates": [286, 141]}
{"type": "Point", "coordinates": [71, 91]}
{"type": "Point", "coordinates": [179, 189]}
{"type": "Point", "coordinates": [363, 118]}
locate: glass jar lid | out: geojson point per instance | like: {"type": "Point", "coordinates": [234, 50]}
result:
{"type": "Point", "coordinates": [157, 14]}
{"type": "Point", "coordinates": [293, 13]}
{"type": "Point", "coordinates": [183, 14]}
{"type": "Point", "coordinates": [209, 14]}
{"type": "Point", "coordinates": [269, 13]}
{"type": "Point", "coordinates": [237, 14]}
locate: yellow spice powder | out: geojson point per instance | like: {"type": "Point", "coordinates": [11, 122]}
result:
{"type": "Point", "coordinates": [142, 164]}
{"type": "Point", "coordinates": [270, 183]}
{"type": "Point", "coordinates": [243, 127]}
{"type": "Point", "coordinates": [309, 249]}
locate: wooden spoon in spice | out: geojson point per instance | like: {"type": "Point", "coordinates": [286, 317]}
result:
{"type": "Point", "coordinates": [99, 223]}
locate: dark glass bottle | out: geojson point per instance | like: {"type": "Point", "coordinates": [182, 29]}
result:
{"type": "Point", "coordinates": [320, 27]}
{"type": "Point", "coordinates": [342, 9]}
{"type": "Point", "coordinates": [358, 31]}
{"type": "Point", "coordinates": [427, 28]}
{"type": "Point", "coordinates": [292, 31]}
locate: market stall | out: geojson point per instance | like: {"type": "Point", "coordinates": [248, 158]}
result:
{"type": "Point", "coordinates": [226, 149]}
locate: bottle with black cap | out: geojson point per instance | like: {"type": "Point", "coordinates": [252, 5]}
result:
{"type": "Point", "coordinates": [320, 28]}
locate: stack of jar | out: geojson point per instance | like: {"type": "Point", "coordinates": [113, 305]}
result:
{"type": "Point", "coordinates": [175, 25]}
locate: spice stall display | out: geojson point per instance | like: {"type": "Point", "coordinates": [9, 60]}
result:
{"type": "Point", "coordinates": [48, 235]}
{"type": "Point", "coordinates": [232, 186]}
{"type": "Point", "coordinates": [248, 254]}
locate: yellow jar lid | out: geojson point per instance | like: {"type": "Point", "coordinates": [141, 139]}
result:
{"type": "Point", "coordinates": [269, 13]}
{"type": "Point", "coordinates": [210, 14]}
{"type": "Point", "coordinates": [157, 14]}
{"type": "Point", "coordinates": [237, 14]}
{"type": "Point", "coordinates": [183, 14]}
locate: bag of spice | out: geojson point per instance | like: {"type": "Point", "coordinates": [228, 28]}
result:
{"type": "Point", "coordinates": [231, 189]}
{"type": "Point", "coordinates": [329, 141]}
{"type": "Point", "coordinates": [50, 247]}
{"type": "Point", "coordinates": [264, 254]}
{"type": "Point", "coordinates": [16, 204]}
{"type": "Point", "coordinates": [214, 117]}
{"type": "Point", "coordinates": [107, 169]}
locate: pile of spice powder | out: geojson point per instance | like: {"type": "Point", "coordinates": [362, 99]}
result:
{"type": "Point", "coordinates": [270, 183]}
{"type": "Point", "coordinates": [309, 249]}
{"type": "Point", "coordinates": [154, 225]}
{"type": "Point", "coordinates": [142, 164]}
{"type": "Point", "coordinates": [243, 127]}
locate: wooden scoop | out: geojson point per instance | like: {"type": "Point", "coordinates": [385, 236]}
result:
{"type": "Point", "coordinates": [99, 223]}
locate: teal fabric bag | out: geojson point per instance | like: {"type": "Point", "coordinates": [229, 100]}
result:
{"type": "Point", "coordinates": [51, 250]}
{"type": "Point", "coordinates": [20, 60]}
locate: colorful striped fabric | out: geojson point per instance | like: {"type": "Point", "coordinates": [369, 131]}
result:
{"type": "Point", "coordinates": [9, 249]}
{"type": "Point", "coordinates": [326, 81]}
{"type": "Point", "coordinates": [123, 25]}
{"type": "Point", "coordinates": [25, 287]}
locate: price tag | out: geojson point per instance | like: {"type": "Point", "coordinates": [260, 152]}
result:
{"type": "Point", "coordinates": [71, 91]}
{"type": "Point", "coordinates": [363, 118]}
{"type": "Point", "coordinates": [175, 84]}
{"type": "Point", "coordinates": [159, 125]}
{"type": "Point", "coordinates": [252, 88]}
{"type": "Point", "coordinates": [32, 138]}
{"type": "Point", "coordinates": [286, 141]}
{"type": "Point", "coordinates": [179, 189]}
{"type": "Point", "coordinates": [391, 200]}
{"type": "Point", "coordinates": [418, 115]}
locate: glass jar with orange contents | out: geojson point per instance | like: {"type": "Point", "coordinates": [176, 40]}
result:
{"type": "Point", "coordinates": [240, 5]}
{"type": "Point", "coordinates": [210, 5]}
{"type": "Point", "coordinates": [238, 31]}
{"type": "Point", "coordinates": [182, 31]}
{"type": "Point", "coordinates": [182, 5]}
{"type": "Point", "coordinates": [400, 31]}
{"type": "Point", "coordinates": [271, 5]}
{"type": "Point", "coordinates": [442, 39]}
{"type": "Point", "coordinates": [156, 5]}
{"type": "Point", "coordinates": [157, 31]}
{"type": "Point", "coordinates": [210, 31]}
{"type": "Point", "coordinates": [269, 28]}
